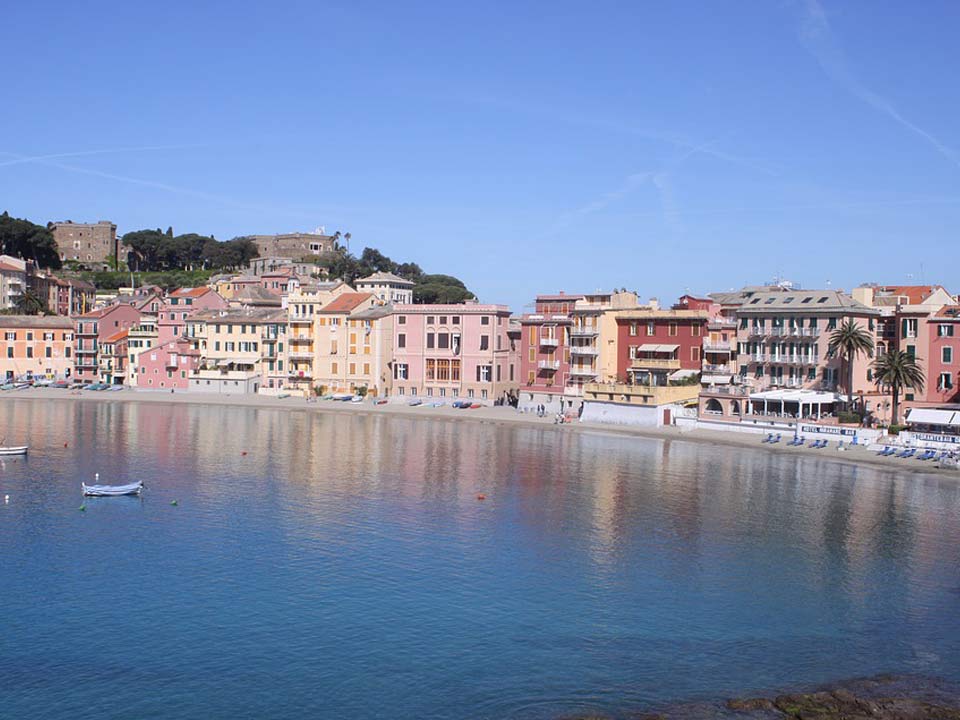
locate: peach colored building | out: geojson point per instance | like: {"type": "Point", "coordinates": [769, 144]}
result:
{"type": "Point", "coordinates": [35, 346]}
{"type": "Point", "coordinates": [453, 351]}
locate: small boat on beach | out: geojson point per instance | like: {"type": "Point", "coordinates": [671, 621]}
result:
{"type": "Point", "coordinates": [14, 450]}
{"type": "Point", "coordinates": [112, 490]}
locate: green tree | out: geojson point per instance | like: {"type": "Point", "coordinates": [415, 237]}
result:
{"type": "Point", "coordinates": [850, 340]}
{"type": "Point", "coordinates": [26, 240]}
{"type": "Point", "coordinates": [144, 248]}
{"type": "Point", "coordinates": [897, 370]}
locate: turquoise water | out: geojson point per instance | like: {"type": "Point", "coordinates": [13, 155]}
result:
{"type": "Point", "coordinates": [344, 567]}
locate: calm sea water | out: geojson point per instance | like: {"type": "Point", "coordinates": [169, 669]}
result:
{"type": "Point", "coordinates": [344, 567]}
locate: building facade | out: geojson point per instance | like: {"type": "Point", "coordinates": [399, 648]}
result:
{"type": "Point", "coordinates": [35, 346]}
{"type": "Point", "coordinates": [294, 245]}
{"type": "Point", "coordinates": [86, 243]}
{"type": "Point", "coordinates": [91, 329]}
{"type": "Point", "coordinates": [387, 287]}
{"type": "Point", "coordinates": [544, 362]}
{"type": "Point", "coordinates": [453, 351]}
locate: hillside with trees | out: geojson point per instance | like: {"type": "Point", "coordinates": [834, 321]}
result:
{"type": "Point", "coordinates": [23, 239]}
{"type": "Point", "coordinates": [158, 251]}
{"type": "Point", "coordinates": [427, 288]}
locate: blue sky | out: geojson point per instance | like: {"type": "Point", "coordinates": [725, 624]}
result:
{"type": "Point", "coordinates": [525, 147]}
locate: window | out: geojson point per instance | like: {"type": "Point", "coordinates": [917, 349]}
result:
{"type": "Point", "coordinates": [402, 340]}
{"type": "Point", "coordinates": [431, 370]}
{"type": "Point", "coordinates": [532, 355]}
{"type": "Point", "coordinates": [530, 378]}
{"type": "Point", "coordinates": [353, 368]}
{"type": "Point", "coordinates": [455, 370]}
{"type": "Point", "coordinates": [485, 320]}
{"type": "Point", "coordinates": [695, 354]}
{"type": "Point", "coordinates": [429, 319]}
{"type": "Point", "coordinates": [443, 340]}
{"type": "Point", "coordinates": [443, 319]}
{"type": "Point", "coordinates": [672, 329]}
{"type": "Point", "coordinates": [484, 342]}
{"type": "Point", "coordinates": [695, 330]}
{"type": "Point", "coordinates": [455, 320]}
{"type": "Point", "coordinates": [651, 328]}
{"type": "Point", "coordinates": [430, 337]}
{"type": "Point", "coordinates": [9, 352]}
{"type": "Point", "coordinates": [484, 373]}
{"type": "Point", "coordinates": [945, 382]}
{"type": "Point", "coordinates": [633, 329]}
{"type": "Point", "coordinates": [333, 368]}
{"type": "Point", "coordinates": [9, 336]}
{"type": "Point", "coordinates": [944, 330]}
{"type": "Point", "coordinates": [946, 355]}
{"type": "Point", "coordinates": [912, 350]}
{"type": "Point", "coordinates": [49, 352]}
{"type": "Point", "coordinates": [401, 320]}
{"type": "Point", "coordinates": [29, 352]}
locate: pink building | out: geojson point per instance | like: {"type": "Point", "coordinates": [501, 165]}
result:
{"type": "Point", "coordinates": [92, 329]}
{"type": "Point", "coordinates": [179, 306]}
{"type": "Point", "coordinates": [453, 351]}
{"type": "Point", "coordinates": [167, 366]}
{"type": "Point", "coordinates": [545, 352]}
{"type": "Point", "coordinates": [943, 378]}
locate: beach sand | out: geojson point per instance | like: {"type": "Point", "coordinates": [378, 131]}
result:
{"type": "Point", "coordinates": [493, 415]}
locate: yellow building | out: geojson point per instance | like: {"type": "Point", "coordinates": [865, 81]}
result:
{"type": "Point", "coordinates": [303, 305]}
{"type": "Point", "coordinates": [241, 351]}
{"type": "Point", "coordinates": [353, 345]}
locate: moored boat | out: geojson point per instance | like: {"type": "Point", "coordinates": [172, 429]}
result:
{"type": "Point", "coordinates": [14, 450]}
{"type": "Point", "coordinates": [111, 490]}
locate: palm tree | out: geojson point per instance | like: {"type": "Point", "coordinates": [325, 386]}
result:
{"type": "Point", "coordinates": [850, 340]}
{"type": "Point", "coordinates": [897, 369]}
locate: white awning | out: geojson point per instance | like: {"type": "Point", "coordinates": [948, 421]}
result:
{"type": "Point", "coordinates": [709, 379]}
{"type": "Point", "coordinates": [797, 396]}
{"type": "Point", "coordinates": [681, 374]}
{"type": "Point", "coordinates": [930, 416]}
{"type": "Point", "coordinates": [652, 347]}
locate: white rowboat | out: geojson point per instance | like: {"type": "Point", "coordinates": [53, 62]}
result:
{"type": "Point", "coordinates": [110, 490]}
{"type": "Point", "coordinates": [18, 450]}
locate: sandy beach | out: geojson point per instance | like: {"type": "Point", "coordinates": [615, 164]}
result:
{"type": "Point", "coordinates": [495, 415]}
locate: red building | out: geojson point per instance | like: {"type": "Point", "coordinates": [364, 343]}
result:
{"type": "Point", "coordinates": [943, 379]}
{"type": "Point", "coordinates": [657, 346]}
{"type": "Point", "coordinates": [545, 352]}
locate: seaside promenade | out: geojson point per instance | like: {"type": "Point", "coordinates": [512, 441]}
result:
{"type": "Point", "coordinates": [853, 455]}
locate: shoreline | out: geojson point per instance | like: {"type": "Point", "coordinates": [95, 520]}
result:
{"type": "Point", "coordinates": [852, 455]}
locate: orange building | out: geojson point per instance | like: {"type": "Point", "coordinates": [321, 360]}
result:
{"type": "Point", "coordinates": [35, 346]}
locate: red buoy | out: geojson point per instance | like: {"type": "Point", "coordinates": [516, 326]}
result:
{"type": "Point", "coordinates": [481, 496]}
{"type": "Point", "coordinates": [64, 444]}
{"type": "Point", "coordinates": [244, 452]}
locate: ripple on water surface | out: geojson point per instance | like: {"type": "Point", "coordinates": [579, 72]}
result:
{"type": "Point", "coordinates": [343, 567]}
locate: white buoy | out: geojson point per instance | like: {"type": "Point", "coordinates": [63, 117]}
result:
{"type": "Point", "coordinates": [6, 499]}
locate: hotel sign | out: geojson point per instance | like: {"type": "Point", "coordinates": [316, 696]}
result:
{"type": "Point", "coordinates": [828, 429]}
{"type": "Point", "coordinates": [932, 437]}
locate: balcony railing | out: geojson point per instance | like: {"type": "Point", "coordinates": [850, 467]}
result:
{"type": "Point", "coordinates": [549, 342]}
{"type": "Point", "coordinates": [300, 354]}
{"type": "Point", "coordinates": [713, 368]}
{"type": "Point", "coordinates": [585, 371]}
{"type": "Point", "coordinates": [583, 350]}
{"type": "Point", "coordinates": [655, 364]}
{"type": "Point", "coordinates": [583, 331]}
{"type": "Point", "coordinates": [717, 346]}
{"type": "Point", "coordinates": [300, 339]}
{"type": "Point", "coordinates": [549, 364]}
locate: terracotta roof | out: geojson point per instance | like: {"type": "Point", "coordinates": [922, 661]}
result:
{"type": "Point", "coordinates": [7, 267]}
{"type": "Point", "coordinates": [559, 297]}
{"type": "Point", "coordinates": [915, 294]}
{"type": "Point", "coordinates": [190, 292]}
{"type": "Point", "coordinates": [345, 303]}
{"type": "Point", "coordinates": [116, 336]}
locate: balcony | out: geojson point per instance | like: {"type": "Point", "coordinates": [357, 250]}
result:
{"type": "Point", "coordinates": [712, 368]}
{"type": "Point", "coordinates": [655, 364]}
{"type": "Point", "coordinates": [80, 364]}
{"type": "Point", "coordinates": [301, 321]}
{"type": "Point", "coordinates": [300, 354]}
{"type": "Point", "coordinates": [551, 365]}
{"type": "Point", "coordinates": [627, 394]}
{"type": "Point", "coordinates": [723, 346]}
{"type": "Point", "coordinates": [582, 371]}
{"type": "Point", "coordinates": [583, 350]}
{"type": "Point", "coordinates": [721, 323]}
{"type": "Point", "coordinates": [549, 342]}
{"type": "Point", "coordinates": [300, 339]}
{"type": "Point", "coordinates": [583, 331]}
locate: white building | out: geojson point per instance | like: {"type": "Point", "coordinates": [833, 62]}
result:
{"type": "Point", "coordinates": [389, 288]}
